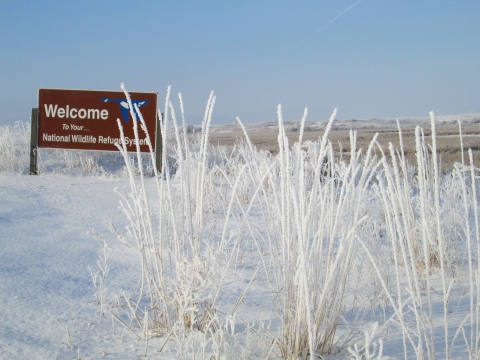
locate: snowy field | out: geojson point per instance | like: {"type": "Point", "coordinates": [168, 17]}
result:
{"type": "Point", "coordinates": [233, 253]}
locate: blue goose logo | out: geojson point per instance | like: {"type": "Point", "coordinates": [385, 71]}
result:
{"type": "Point", "coordinates": [125, 109]}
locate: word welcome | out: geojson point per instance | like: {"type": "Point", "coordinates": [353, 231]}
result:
{"type": "Point", "coordinates": [73, 113]}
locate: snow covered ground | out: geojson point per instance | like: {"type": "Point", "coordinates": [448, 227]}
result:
{"type": "Point", "coordinates": [47, 300]}
{"type": "Point", "coordinates": [48, 309]}
{"type": "Point", "coordinates": [46, 296]}
{"type": "Point", "coordinates": [238, 255]}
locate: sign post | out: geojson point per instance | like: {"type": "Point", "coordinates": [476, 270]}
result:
{"type": "Point", "coordinates": [158, 143]}
{"type": "Point", "coordinates": [34, 142]}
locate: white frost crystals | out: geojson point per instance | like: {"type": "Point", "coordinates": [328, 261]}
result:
{"type": "Point", "coordinates": [245, 255]}
{"type": "Point", "coordinates": [14, 147]}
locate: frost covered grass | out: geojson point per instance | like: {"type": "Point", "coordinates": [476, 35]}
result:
{"type": "Point", "coordinates": [305, 254]}
{"type": "Point", "coordinates": [15, 147]}
{"type": "Point", "coordinates": [341, 256]}
{"type": "Point", "coordinates": [15, 157]}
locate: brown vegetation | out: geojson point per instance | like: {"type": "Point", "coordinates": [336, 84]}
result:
{"type": "Point", "coordinates": [448, 140]}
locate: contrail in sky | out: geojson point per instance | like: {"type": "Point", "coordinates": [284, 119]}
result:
{"type": "Point", "coordinates": [335, 18]}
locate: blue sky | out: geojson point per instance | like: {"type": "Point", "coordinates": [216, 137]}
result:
{"type": "Point", "coordinates": [381, 58]}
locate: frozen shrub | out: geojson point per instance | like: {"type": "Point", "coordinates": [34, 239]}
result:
{"type": "Point", "coordinates": [351, 249]}
{"type": "Point", "coordinates": [15, 147]}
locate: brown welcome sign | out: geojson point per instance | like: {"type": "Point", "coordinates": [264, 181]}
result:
{"type": "Point", "coordinates": [87, 120]}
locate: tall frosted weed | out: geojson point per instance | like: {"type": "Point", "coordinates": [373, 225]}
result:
{"type": "Point", "coordinates": [428, 222]}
